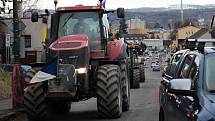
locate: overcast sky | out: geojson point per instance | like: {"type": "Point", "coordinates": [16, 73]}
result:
{"type": "Point", "coordinates": [112, 4]}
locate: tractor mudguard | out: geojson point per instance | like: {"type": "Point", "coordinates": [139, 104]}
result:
{"type": "Point", "coordinates": [116, 49]}
{"type": "Point", "coordinates": [105, 62]}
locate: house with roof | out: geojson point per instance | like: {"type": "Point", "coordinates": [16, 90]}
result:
{"type": "Point", "coordinates": [184, 33]}
{"type": "Point", "coordinates": [201, 34]}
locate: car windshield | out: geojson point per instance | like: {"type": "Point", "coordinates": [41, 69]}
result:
{"type": "Point", "coordinates": [210, 73]}
{"type": "Point", "coordinates": [80, 23]}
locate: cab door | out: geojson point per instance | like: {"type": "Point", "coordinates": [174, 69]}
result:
{"type": "Point", "coordinates": [165, 97]}
{"type": "Point", "coordinates": [187, 103]}
{"type": "Point", "coordinates": [179, 103]}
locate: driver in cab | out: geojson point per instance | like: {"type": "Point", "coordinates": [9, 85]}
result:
{"type": "Point", "coordinates": [81, 27]}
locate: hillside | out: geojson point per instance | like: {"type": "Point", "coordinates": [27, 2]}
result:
{"type": "Point", "coordinates": [165, 17]}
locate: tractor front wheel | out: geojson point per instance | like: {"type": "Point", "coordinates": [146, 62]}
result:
{"type": "Point", "coordinates": [109, 91]}
{"type": "Point", "coordinates": [35, 103]}
{"type": "Point", "coordinates": [142, 73]}
{"type": "Point", "coordinates": [125, 88]}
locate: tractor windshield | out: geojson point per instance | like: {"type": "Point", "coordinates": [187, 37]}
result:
{"type": "Point", "coordinates": [81, 23]}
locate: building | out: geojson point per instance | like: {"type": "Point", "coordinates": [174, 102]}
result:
{"type": "Point", "coordinates": [32, 38]}
{"type": "Point", "coordinates": [154, 43]}
{"type": "Point", "coordinates": [138, 31]}
{"type": "Point", "coordinates": [157, 33]}
{"type": "Point", "coordinates": [132, 38]}
{"type": "Point", "coordinates": [136, 23]}
{"type": "Point", "coordinates": [201, 34]}
{"type": "Point", "coordinates": [137, 26]}
{"type": "Point", "coordinates": [150, 43]}
{"type": "Point", "coordinates": [184, 33]}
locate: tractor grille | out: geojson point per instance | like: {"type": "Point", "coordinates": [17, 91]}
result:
{"type": "Point", "coordinates": [67, 45]}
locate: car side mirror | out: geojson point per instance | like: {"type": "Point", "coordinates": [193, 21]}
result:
{"type": "Point", "coordinates": [120, 12]}
{"type": "Point", "coordinates": [34, 17]}
{"type": "Point", "coordinates": [181, 87]}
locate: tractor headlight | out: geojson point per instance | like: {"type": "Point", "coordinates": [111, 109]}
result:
{"type": "Point", "coordinates": [81, 70]}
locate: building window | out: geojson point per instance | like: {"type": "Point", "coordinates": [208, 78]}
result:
{"type": "Point", "coordinates": [27, 41]}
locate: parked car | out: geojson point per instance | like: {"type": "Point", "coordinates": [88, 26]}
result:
{"type": "Point", "coordinates": [147, 58]}
{"type": "Point", "coordinates": [156, 57]}
{"type": "Point", "coordinates": [153, 63]}
{"type": "Point", "coordinates": [187, 91]}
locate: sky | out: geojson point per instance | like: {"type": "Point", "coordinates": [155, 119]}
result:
{"type": "Point", "coordinates": [113, 4]}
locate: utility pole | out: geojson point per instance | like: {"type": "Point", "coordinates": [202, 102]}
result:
{"type": "Point", "coordinates": [16, 32]}
{"type": "Point", "coordinates": [182, 13]}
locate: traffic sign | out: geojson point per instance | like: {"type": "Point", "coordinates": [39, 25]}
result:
{"type": "Point", "coordinates": [7, 40]}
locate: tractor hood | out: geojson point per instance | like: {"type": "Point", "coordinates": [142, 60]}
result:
{"type": "Point", "coordinates": [71, 42]}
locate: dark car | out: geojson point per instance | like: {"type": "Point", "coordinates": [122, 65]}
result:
{"type": "Point", "coordinates": [187, 91]}
{"type": "Point", "coordinates": [156, 67]}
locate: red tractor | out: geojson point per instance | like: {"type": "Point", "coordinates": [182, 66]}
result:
{"type": "Point", "coordinates": [90, 63]}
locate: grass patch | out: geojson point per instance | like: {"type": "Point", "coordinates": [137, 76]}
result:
{"type": "Point", "coordinates": [5, 84]}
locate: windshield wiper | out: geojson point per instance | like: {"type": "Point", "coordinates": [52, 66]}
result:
{"type": "Point", "coordinates": [68, 19]}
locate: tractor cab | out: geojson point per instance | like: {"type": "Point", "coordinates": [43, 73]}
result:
{"type": "Point", "coordinates": [76, 22]}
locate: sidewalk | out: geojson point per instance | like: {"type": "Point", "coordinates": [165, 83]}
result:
{"type": "Point", "coordinates": [9, 114]}
{"type": "Point", "coordinates": [5, 104]}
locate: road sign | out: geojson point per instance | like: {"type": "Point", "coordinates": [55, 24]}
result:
{"type": "Point", "coordinates": [7, 40]}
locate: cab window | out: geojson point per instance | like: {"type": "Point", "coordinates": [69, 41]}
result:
{"type": "Point", "coordinates": [194, 71]}
{"type": "Point", "coordinates": [186, 67]}
{"type": "Point", "coordinates": [176, 58]}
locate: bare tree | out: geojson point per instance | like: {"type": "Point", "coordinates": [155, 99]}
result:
{"type": "Point", "coordinates": [29, 4]}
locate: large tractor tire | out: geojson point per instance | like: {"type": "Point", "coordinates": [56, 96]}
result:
{"type": "Point", "coordinates": [29, 75]}
{"type": "Point", "coordinates": [135, 79]}
{"type": "Point", "coordinates": [109, 91]}
{"type": "Point", "coordinates": [125, 88]}
{"type": "Point", "coordinates": [142, 73]}
{"type": "Point", "coordinates": [35, 103]}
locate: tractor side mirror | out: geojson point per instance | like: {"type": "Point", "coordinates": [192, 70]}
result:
{"type": "Point", "coordinates": [47, 12]}
{"type": "Point", "coordinates": [34, 17]}
{"type": "Point", "coordinates": [120, 12]}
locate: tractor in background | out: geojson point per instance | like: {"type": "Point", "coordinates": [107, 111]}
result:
{"type": "Point", "coordinates": [83, 62]}
{"type": "Point", "coordinates": [136, 65]}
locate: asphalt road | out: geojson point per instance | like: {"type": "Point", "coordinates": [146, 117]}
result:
{"type": "Point", "coordinates": [144, 104]}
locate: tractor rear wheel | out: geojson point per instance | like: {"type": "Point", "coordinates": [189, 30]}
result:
{"type": "Point", "coordinates": [142, 73]}
{"type": "Point", "coordinates": [136, 78]}
{"type": "Point", "coordinates": [125, 88]}
{"type": "Point", "coordinates": [35, 103]}
{"type": "Point", "coordinates": [109, 91]}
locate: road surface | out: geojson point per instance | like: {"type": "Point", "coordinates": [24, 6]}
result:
{"type": "Point", "coordinates": [144, 104]}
